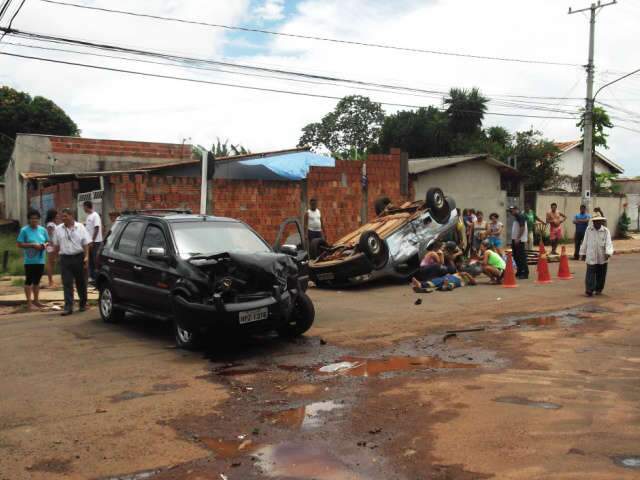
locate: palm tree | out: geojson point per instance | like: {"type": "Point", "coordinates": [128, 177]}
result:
{"type": "Point", "coordinates": [465, 109]}
{"type": "Point", "coordinates": [225, 149]}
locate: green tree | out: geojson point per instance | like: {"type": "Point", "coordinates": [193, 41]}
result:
{"type": "Point", "coordinates": [352, 128]}
{"type": "Point", "coordinates": [21, 113]}
{"type": "Point", "coordinates": [601, 121]}
{"type": "Point", "coordinates": [421, 133]}
{"type": "Point", "coordinates": [537, 159]}
{"type": "Point", "coordinates": [226, 149]}
{"type": "Point", "coordinates": [465, 109]}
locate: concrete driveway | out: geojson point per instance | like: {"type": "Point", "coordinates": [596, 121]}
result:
{"type": "Point", "coordinates": [543, 384]}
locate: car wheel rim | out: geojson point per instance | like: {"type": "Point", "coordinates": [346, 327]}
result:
{"type": "Point", "coordinates": [374, 245]}
{"type": "Point", "coordinates": [106, 302]}
{"type": "Point", "coordinates": [184, 335]}
{"type": "Point", "coordinates": [438, 200]}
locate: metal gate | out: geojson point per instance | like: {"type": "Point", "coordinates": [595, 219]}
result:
{"type": "Point", "coordinates": [95, 197]}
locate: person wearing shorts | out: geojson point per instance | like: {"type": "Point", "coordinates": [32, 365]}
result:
{"type": "Point", "coordinates": [33, 240]}
{"type": "Point", "coordinates": [555, 220]}
{"type": "Point", "coordinates": [493, 264]}
{"type": "Point", "coordinates": [494, 229]}
{"type": "Point", "coordinates": [445, 283]}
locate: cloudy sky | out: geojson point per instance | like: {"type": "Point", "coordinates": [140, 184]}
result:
{"type": "Point", "coordinates": [115, 105]}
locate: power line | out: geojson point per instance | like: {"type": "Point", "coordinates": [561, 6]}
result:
{"type": "Point", "coordinates": [15, 14]}
{"type": "Point", "coordinates": [252, 87]}
{"type": "Point", "coordinates": [4, 8]}
{"type": "Point", "coordinates": [541, 106]}
{"type": "Point", "coordinates": [317, 38]}
{"type": "Point", "coordinates": [192, 60]}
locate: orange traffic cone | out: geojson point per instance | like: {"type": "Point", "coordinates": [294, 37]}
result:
{"type": "Point", "coordinates": [509, 277]}
{"type": "Point", "coordinates": [541, 249]}
{"type": "Point", "coordinates": [544, 276]}
{"type": "Point", "coordinates": [563, 271]}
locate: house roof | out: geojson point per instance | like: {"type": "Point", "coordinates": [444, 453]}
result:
{"type": "Point", "coordinates": [566, 146]}
{"type": "Point", "coordinates": [421, 165]}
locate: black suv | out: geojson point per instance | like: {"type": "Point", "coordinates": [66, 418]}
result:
{"type": "Point", "coordinates": [203, 273]}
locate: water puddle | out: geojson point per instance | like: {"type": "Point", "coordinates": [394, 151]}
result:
{"type": "Point", "coordinates": [372, 367]}
{"type": "Point", "coordinates": [302, 418]}
{"type": "Point", "coordinates": [302, 461]}
{"type": "Point", "coordinates": [631, 461]}
{"type": "Point", "coordinates": [128, 395]}
{"type": "Point", "coordinates": [226, 449]}
{"type": "Point", "coordinates": [563, 318]}
{"type": "Point", "coordinates": [528, 403]}
{"type": "Point", "coordinates": [137, 476]}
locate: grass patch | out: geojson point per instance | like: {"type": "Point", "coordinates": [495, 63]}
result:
{"type": "Point", "coordinates": [17, 282]}
{"type": "Point", "coordinates": [15, 265]}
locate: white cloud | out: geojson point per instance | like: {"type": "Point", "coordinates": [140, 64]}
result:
{"type": "Point", "coordinates": [270, 10]}
{"type": "Point", "coordinates": [114, 105]}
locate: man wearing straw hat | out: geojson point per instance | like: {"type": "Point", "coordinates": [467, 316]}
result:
{"type": "Point", "coordinates": [596, 249]}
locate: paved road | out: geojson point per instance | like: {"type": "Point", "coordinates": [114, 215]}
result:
{"type": "Point", "coordinates": [547, 386]}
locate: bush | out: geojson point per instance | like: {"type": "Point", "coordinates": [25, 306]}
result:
{"type": "Point", "coordinates": [623, 225]}
{"type": "Point", "coordinates": [8, 243]}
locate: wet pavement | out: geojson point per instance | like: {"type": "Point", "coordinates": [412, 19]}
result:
{"type": "Point", "coordinates": [541, 383]}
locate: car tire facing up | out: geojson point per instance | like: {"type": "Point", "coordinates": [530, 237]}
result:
{"type": "Point", "coordinates": [108, 312]}
{"type": "Point", "coordinates": [374, 248]}
{"type": "Point", "coordinates": [438, 205]}
{"type": "Point", "coordinates": [302, 318]}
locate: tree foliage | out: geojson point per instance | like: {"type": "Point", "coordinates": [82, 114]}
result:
{"type": "Point", "coordinates": [21, 113]}
{"type": "Point", "coordinates": [465, 109]}
{"type": "Point", "coordinates": [601, 121]}
{"type": "Point", "coordinates": [537, 160]}
{"type": "Point", "coordinates": [226, 149]}
{"type": "Point", "coordinates": [421, 133]}
{"type": "Point", "coordinates": [353, 127]}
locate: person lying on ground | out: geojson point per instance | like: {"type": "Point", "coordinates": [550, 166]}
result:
{"type": "Point", "coordinates": [432, 264]}
{"type": "Point", "coordinates": [493, 264]}
{"type": "Point", "coordinates": [445, 283]}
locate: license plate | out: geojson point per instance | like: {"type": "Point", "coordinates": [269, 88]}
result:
{"type": "Point", "coordinates": [254, 315]}
{"type": "Point", "coordinates": [326, 276]}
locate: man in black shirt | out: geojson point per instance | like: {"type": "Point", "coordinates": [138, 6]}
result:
{"type": "Point", "coordinates": [519, 236]}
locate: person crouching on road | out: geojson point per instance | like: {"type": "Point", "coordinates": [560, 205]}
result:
{"type": "Point", "coordinates": [596, 249]}
{"type": "Point", "coordinates": [432, 264]}
{"type": "Point", "coordinates": [33, 239]}
{"type": "Point", "coordinates": [493, 264]}
{"type": "Point", "coordinates": [72, 245]}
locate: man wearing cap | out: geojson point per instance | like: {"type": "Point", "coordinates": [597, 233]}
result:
{"type": "Point", "coordinates": [596, 249]}
{"type": "Point", "coordinates": [519, 236]}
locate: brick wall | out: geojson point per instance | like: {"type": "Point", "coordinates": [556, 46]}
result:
{"type": "Point", "coordinates": [265, 204]}
{"type": "Point", "coordinates": [63, 195]}
{"type": "Point", "coordinates": [118, 148]}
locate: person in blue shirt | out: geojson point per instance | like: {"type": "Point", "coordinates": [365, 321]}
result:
{"type": "Point", "coordinates": [581, 221]}
{"type": "Point", "coordinates": [33, 240]}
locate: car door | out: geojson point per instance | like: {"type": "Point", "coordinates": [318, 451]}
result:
{"type": "Point", "coordinates": [290, 240]}
{"type": "Point", "coordinates": [123, 260]}
{"type": "Point", "coordinates": [154, 275]}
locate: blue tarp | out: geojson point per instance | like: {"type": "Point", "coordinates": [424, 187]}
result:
{"type": "Point", "coordinates": [292, 166]}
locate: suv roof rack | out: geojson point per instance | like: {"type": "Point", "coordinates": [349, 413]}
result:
{"type": "Point", "coordinates": [157, 211]}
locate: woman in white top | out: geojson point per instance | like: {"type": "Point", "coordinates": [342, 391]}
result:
{"type": "Point", "coordinates": [479, 231]}
{"type": "Point", "coordinates": [51, 223]}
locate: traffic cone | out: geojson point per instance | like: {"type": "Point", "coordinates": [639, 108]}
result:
{"type": "Point", "coordinates": [541, 249]}
{"type": "Point", "coordinates": [544, 276]}
{"type": "Point", "coordinates": [563, 271]}
{"type": "Point", "coordinates": [509, 277]}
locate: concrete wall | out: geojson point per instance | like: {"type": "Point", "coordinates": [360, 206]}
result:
{"type": "Point", "coordinates": [569, 204]}
{"type": "Point", "coordinates": [571, 163]}
{"type": "Point", "coordinates": [473, 184]}
{"type": "Point", "coordinates": [44, 154]}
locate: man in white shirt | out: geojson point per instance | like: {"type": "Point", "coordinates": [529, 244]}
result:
{"type": "Point", "coordinates": [519, 238]}
{"type": "Point", "coordinates": [71, 241]}
{"type": "Point", "coordinates": [313, 221]}
{"type": "Point", "coordinates": [93, 224]}
{"type": "Point", "coordinates": [596, 249]}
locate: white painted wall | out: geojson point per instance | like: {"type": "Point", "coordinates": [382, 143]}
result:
{"type": "Point", "coordinates": [473, 184]}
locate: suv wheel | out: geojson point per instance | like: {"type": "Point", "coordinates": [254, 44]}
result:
{"type": "Point", "coordinates": [374, 248]}
{"type": "Point", "coordinates": [108, 311]}
{"type": "Point", "coordinates": [437, 203]}
{"type": "Point", "coordinates": [302, 318]}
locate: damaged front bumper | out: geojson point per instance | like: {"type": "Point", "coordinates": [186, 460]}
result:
{"type": "Point", "coordinates": [351, 270]}
{"type": "Point", "coordinates": [261, 314]}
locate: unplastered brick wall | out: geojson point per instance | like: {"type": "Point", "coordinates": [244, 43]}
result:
{"type": "Point", "coordinates": [262, 204]}
{"type": "Point", "coordinates": [137, 192]}
{"type": "Point", "coordinates": [63, 194]}
{"type": "Point", "coordinates": [383, 172]}
{"type": "Point", "coordinates": [119, 148]}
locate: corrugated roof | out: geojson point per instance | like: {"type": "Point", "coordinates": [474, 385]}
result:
{"type": "Point", "coordinates": [421, 165]}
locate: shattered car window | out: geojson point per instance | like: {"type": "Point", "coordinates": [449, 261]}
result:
{"type": "Point", "coordinates": [209, 238]}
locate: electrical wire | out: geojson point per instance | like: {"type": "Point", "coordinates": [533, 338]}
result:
{"type": "Point", "coordinates": [4, 8]}
{"type": "Point", "coordinates": [311, 37]}
{"type": "Point", "coordinates": [252, 87]}
{"type": "Point", "coordinates": [15, 14]}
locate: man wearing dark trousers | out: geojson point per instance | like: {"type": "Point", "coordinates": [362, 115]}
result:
{"type": "Point", "coordinates": [93, 224]}
{"type": "Point", "coordinates": [519, 235]}
{"type": "Point", "coordinates": [72, 245]}
{"type": "Point", "coordinates": [581, 221]}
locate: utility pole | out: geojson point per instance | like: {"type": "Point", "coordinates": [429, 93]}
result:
{"type": "Point", "coordinates": [204, 178]}
{"type": "Point", "coordinates": [587, 146]}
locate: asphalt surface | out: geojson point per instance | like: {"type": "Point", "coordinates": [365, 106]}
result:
{"type": "Point", "coordinates": [544, 385]}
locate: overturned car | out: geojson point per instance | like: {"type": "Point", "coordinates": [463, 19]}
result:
{"type": "Point", "coordinates": [202, 273]}
{"type": "Point", "coordinates": [391, 245]}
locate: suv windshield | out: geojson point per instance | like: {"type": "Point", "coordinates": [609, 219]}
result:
{"type": "Point", "coordinates": [209, 238]}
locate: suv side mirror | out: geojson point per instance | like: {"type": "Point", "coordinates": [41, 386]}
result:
{"type": "Point", "coordinates": [289, 250]}
{"type": "Point", "coordinates": [156, 253]}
